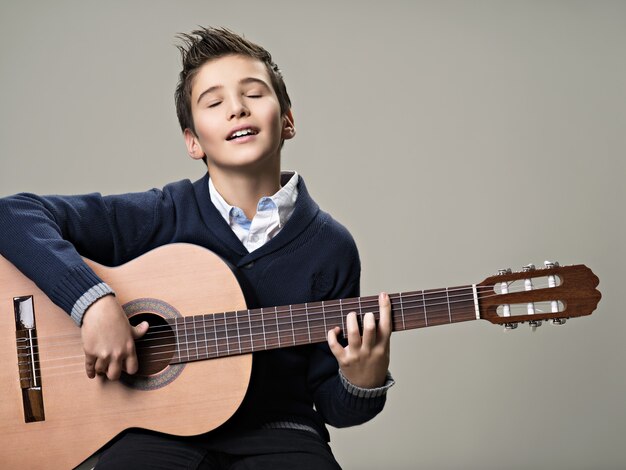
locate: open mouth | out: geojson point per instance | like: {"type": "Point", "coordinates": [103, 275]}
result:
{"type": "Point", "coordinates": [242, 133]}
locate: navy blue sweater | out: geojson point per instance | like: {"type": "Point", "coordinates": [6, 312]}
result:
{"type": "Point", "coordinates": [312, 258]}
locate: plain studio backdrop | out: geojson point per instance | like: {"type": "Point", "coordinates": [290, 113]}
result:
{"type": "Point", "coordinates": [451, 138]}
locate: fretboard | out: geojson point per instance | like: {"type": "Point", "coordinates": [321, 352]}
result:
{"type": "Point", "coordinates": [225, 334]}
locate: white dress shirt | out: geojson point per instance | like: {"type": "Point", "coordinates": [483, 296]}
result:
{"type": "Point", "coordinates": [272, 213]}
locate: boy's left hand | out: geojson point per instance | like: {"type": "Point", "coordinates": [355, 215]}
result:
{"type": "Point", "coordinates": [365, 360]}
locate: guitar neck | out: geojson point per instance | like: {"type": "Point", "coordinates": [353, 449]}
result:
{"type": "Point", "coordinates": [230, 333]}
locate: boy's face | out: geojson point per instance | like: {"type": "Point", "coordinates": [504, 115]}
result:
{"type": "Point", "coordinates": [236, 115]}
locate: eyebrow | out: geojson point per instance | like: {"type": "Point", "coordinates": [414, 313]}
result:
{"type": "Point", "coordinates": [243, 81]}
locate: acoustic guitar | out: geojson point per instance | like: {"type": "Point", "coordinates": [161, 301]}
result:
{"type": "Point", "coordinates": [194, 364]}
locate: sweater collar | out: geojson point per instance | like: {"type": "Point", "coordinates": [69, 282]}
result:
{"type": "Point", "coordinates": [304, 212]}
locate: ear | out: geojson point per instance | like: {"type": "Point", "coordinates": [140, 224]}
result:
{"type": "Point", "coordinates": [289, 130]}
{"type": "Point", "coordinates": [193, 146]}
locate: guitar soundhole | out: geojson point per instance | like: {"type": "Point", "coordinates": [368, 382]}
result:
{"type": "Point", "coordinates": [157, 347]}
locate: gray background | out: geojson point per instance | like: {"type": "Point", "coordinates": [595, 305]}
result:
{"type": "Point", "coordinates": [451, 138]}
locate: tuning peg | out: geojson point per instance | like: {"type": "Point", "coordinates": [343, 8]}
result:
{"type": "Point", "coordinates": [504, 271]}
{"type": "Point", "coordinates": [510, 326]}
{"type": "Point", "coordinates": [551, 264]}
{"type": "Point", "coordinates": [559, 321]}
{"type": "Point", "coordinates": [528, 267]}
{"type": "Point", "coordinates": [534, 324]}
{"type": "Point", "coordinates": [554, 305]}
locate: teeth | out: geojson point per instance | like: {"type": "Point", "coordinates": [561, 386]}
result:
{"type": "Point", "coordinates": [241, 133]}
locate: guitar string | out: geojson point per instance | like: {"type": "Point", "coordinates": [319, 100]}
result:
{"type": "Point", "coordinates": [80, 365]}
{"type": "Point", "coordinates": [347, 305]}
{"type": "Point", "coordinates": [227, 339]}
{"type": "Point", "coordinates": [318, 331]}
{"type": "Point", "coordinates": [365, 301]}
{"type": "Point", "coordinates": [406, 301]}
{"type": "Point", "coordinates": [188, 327]}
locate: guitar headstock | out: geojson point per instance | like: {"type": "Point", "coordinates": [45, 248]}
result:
{"type": "Point", "coordinates": [533, 295]}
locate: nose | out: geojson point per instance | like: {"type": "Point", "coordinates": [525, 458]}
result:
{"type": "Point", "coordinates": [237, 108]}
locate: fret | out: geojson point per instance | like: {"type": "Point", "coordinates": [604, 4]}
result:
{"type": "Point", "coordinates": [181, 338]}
{"type": "Point", "coordinates": [209, 335]}
{"type": "Point", "coordinates": [424, 305]}
{"type": "Point", "coordinates": [293, 331]}
{"type": "Point", "coordinates": [316, 322]}
{"type": "Point", "coordinates": [285, 327]}
{"type": "Point", "coordinates": [271, 331]}
{"type": "Point", "coordinates": [402, 313]}
{"type": "Point", "coordinates": [194, 336]}
{"type": "Point", "coordinates": [217, 348]}
{"type": "Point", "coordinates": [324, 317]}
{"type": "Point", "coordinates": [308, 326]}
{"type": "Point", "coordinates": [263, 325]}
{"type": "Point", "coordinates": [227, 335]}
{"type": "Point", "coordinates": [300, 328]}
{"type": "Point", "coordinates": [238, 334]}
{"type": "Point", "coordinates": [343, 325]}
{"type": "Point", "coordinates": [277, 326]}
{"type": "Point", "coordinates": [464, 308]}
{"type": "Point", "coordinates": [361, 311]}
{"type": "Point", "coordinates": [437, 307]}
{"type": "Point", "coordinates": [413, 310]}
{"type": "Point", "coordinates": [448, 301]}
{"type": "Point", "coordinates": [186, 342]}
{"type": "Point", "coordinates": [245, 332]}
{"type": "Point", "coordinates": [201, 347]}
{"type": "Point", "coordinates": [177, 340]}
{"type": "Point", "coordinates": [232, 333]}
{"type": "Point", "coordinates": [257, 333]}
{"type": "Point", "coordinates": [221, 334]}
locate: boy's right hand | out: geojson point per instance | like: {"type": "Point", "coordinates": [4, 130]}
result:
{"type": "Point", "coordinates": [109, 340]}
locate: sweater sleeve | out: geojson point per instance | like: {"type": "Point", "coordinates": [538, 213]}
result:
{"type": "Point", "coordinates": [46, 237]}
{"type": "Point", "coordinates": [339, 402]}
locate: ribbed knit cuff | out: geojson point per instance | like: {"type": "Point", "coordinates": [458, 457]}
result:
{"type": "Point", "coordinates": [78, 290]}
{"type": "Point", "coordinates": [360, 392]}
{"type": "Point", "coordinates": [87, 299]}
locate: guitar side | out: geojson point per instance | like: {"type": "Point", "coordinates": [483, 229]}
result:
{"type": "Point", "coordinates": [81, 414]}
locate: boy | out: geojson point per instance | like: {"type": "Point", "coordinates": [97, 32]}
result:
{"type": "Point", "coordinates": [235, 114]}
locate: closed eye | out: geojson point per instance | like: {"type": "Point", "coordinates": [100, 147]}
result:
{"type": "Point", "coordinates": [214, 104]}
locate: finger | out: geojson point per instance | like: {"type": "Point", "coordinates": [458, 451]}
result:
{"type": "Point", "coordinates": [114, 370]}
{"type": "Point", "coordinates": [384, 325]}
{"type": "Point", "coordinates": [140, 330]}
{"type": "Point", "coordinates": [354, 335]}
{"type": "Point", "coordinates": [90, 366]}
{"type": "Point", "coordinates": [369, 331]}
{"type": "Point", "coordinates": [131, 364]}
{"type": "Point", "coordinates": [333, 343]}
{"type": "Point", "coordinates": [102, 365]}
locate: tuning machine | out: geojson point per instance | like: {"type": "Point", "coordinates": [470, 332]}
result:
{"type": "Point", "coordinates": [504, 288]}
{"type": "Point", "coordinates": [552, 283]}
{"type": "Point", "coordinates": [530, 307]}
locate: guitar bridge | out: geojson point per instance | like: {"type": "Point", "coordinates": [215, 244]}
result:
{"type": "Point", "coordinates": [28, 359]}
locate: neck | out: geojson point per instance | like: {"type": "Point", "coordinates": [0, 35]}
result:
{"type": "Point", "coordinates": [244, 188]}
{"type": "Point", "coordinates": [245, 331]}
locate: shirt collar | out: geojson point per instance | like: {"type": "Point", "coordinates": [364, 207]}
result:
{"type": "Point", "coordinates": [284, 200]}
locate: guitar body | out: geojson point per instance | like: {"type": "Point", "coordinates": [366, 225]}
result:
{"type": "Point", "coordinates": [82, 414]}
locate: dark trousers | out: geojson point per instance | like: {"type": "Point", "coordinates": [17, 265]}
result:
{"type": "Point", "coordinates": [273, 449]}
